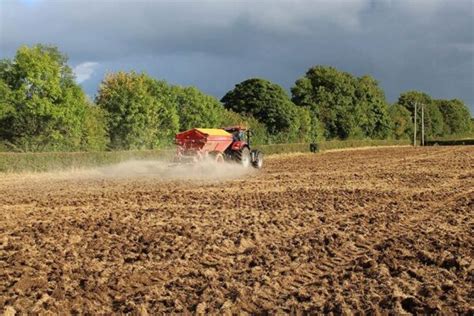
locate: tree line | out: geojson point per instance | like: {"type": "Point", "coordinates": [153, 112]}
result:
{"type": "Point", "coordinates": [42, 108]}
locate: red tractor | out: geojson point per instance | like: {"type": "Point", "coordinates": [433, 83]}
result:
{"type": "Point", "coordinates": [226, 144]}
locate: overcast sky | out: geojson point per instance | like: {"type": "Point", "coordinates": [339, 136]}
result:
{"type": "Point", "coordinates": [425, 45]}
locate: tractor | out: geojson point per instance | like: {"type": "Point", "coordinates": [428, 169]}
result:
{"type": "Point", "coordinates": [218, 144]}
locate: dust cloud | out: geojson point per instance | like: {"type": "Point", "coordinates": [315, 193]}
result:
{"type": "Point", "coordinates": [162, 170]}
{"type": "Point", "coordinates": [206, 170]}
{"type": "Point", "coordinates": [141, 169]}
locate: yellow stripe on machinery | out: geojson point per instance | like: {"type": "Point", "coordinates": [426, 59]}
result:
{"type": "Point", "coordinates": [213, 131]}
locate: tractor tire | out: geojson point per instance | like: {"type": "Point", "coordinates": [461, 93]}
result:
{"type": "Point", "coordinates": [257, 162]}
{"type": "Point", "coordinates": [243, 157]}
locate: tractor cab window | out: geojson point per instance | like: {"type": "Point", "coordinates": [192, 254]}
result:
{"type": "Point", "coordinates": [238, 135]}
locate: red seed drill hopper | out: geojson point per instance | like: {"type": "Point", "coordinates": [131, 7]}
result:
{"type": "Point", "coordinates": [227, 144]}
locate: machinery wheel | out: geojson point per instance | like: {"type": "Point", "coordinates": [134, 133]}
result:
{"type": "Point", "coordinates": [243, 157]}
{"type": "Point", "coordinates": [217, 157]}
{"type": "Point", "coordinates": [257, 159]}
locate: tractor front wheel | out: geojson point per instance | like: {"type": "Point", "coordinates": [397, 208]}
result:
{"type": "Point", "coordinates": [243, 157]}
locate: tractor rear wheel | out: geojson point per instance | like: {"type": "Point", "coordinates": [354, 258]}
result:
{"type": "Point", "coordinates": [243, 157]}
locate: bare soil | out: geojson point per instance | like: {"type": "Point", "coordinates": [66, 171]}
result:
{"type": "Point", "coordinates": [376, 230]}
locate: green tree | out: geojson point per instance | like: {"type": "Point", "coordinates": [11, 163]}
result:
{"type": "Point", "coordinates": [94, 132]}
{"type": "Point", "coordinates": [167, 113]}
{"type": "Point", "coordinates": [265, 101]}
{"type": "Point", "coordinates": [434, 125]}
{"type": "Point", "coordinates": [197, 109]}
{"type": "Point", "coordinates": [305, 128]}
{"type": "Point", "coordinates": [346, 106]}
{"type": "Point", "coordinates": [330, 95]}
{"type": "Point", "coordinates": [456, 116]}
{"type": "Point", "coordinates": [6, 105]}
{"type": "Point", "coordinates": [371, 109]}
{"type": "Point", "coordinates": [402, 122]}
{"type": "Point", "coordinates": [42, 107]}
{"type": "Point", "coordinates": [136, 118]}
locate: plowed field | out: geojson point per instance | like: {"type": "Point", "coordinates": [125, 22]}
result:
{"type": "Point", "coordinates": [375, 230]}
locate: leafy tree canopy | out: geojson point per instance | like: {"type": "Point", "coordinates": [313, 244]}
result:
{"type": "Point", "coordinates": [434, 125]}
{"type": "Point", "coordinates": [402, 123]}
{"type": "Point", "coordinates": [265, 101]}
{"type": "Point", "coordinates": [197, 109]}
{"type": "Point", "coordinates": [372, 109]}
{"type": "Point", "coordinates": [94, 135]}
{"type": "Point", "coordinates": [347, 106]}
{"type": "Point", "coordinates": [42, 108]}
{"type": "Point", "coordinates": [136, 117]}
{"type": "Point", "coordinates": [456, 116]}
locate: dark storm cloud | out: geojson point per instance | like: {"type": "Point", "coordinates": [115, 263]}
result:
{"type": "Point", "coordinates": [426, 45]}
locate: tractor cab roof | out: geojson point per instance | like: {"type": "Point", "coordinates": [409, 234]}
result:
{"type": "Point", "coordinates": [231, 129]}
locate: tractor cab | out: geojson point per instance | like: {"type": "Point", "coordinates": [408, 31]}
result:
{"type": "Point", "coordinates": [239, 133]}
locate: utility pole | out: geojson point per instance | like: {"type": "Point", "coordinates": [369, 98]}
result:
{"type": "Point", "coordinates": [414, 128]}
{"type": "Point", "coordinates": [422, 125]}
